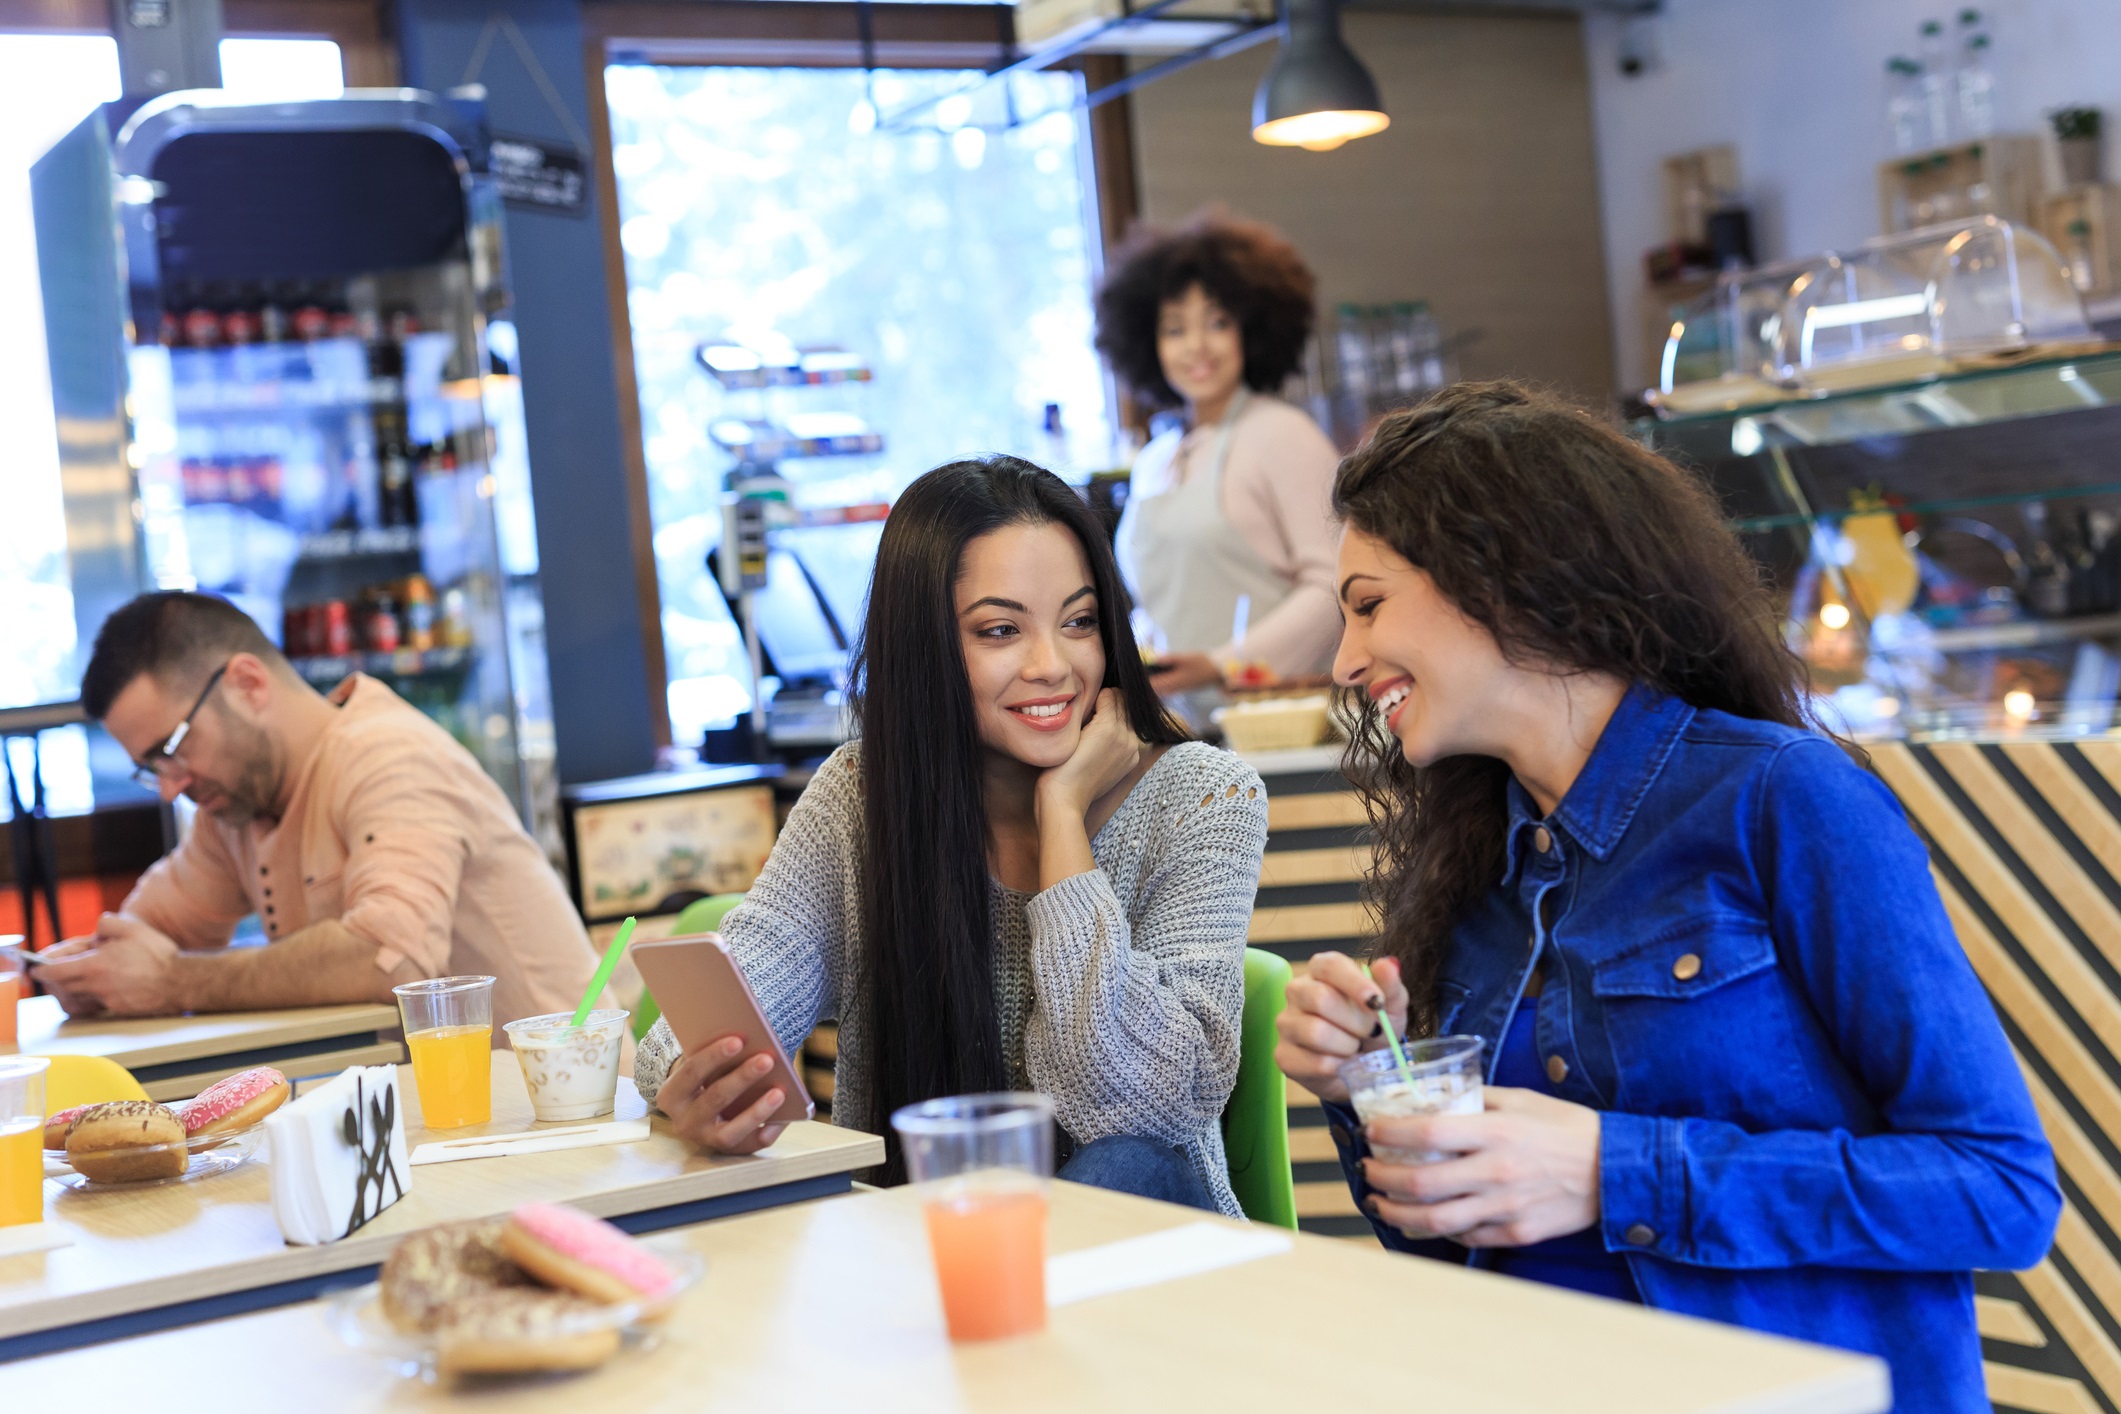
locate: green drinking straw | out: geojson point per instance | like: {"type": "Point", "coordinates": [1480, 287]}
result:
{"type": "Point", "coordinates": [616, 951]}
{"type": "Point", "coordinates": [1391, 1036]}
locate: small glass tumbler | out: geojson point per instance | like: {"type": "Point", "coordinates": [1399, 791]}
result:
{"type": "Point", "coordinates": [983, 1162]}
{"type": "Point", "coordinates": [1442, 1077]}
{"type": "Point", "coordinates": [22, 1139]}
{"type": "Point", "coordinates": [449, 1030]}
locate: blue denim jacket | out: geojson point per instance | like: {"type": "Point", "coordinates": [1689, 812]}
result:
{"type": "Point", "coordinates": [1813, 1124]}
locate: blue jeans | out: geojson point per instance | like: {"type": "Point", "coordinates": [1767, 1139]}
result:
{"type": "Point", "coordinates": [1127, 1163]}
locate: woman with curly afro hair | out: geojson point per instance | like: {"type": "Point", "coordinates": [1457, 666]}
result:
{"type": "Point", "coordinates": [1228, 540]}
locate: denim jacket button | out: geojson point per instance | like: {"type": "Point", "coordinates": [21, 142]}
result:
{"type": "Point", "coordinates": [1640, 1235]}
{"type": "Point", "coordinates": [1688, 967]}
{"type": "Point", "coordinates": [1541, 840]}
{"type": "Point", "coordinates": [1557, 1069]}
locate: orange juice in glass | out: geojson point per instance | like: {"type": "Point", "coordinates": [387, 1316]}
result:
{"type": "Point", "coordinates": [22, 1139]}
{"type": "Point", "coordinates": [449, 1030]}
{"type": "Point", "coordinates": [981, 1163]}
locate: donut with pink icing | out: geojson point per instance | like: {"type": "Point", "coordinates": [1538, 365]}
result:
{"type": "Point", "coordinates": [55, 1126]}
{"type": "Point", "coordinates": [238, 1102]}
{"type": "Point", "coordinates": [569, 1249]}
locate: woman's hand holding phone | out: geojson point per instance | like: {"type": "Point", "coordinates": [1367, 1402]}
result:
{"type": "Point", "coordinates": [701, 1090]}
{"type": "Point", "coordinates": [1331, 1015]}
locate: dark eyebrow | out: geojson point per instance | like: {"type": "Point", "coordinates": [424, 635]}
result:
{"type": "Point", "coordinates": [1000, 603]}
{"type": "Point", "coordinates": [1350, 580]}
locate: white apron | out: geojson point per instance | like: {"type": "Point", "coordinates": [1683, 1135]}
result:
{"type": "Point", "coordinates": [1188, 567]}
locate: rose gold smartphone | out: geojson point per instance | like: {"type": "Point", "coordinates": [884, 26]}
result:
{"type": "Point", "coordinates": [703, 993]}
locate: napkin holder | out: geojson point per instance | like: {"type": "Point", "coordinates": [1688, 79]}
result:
{"type": "Point", "coordinates": [338, 1156]}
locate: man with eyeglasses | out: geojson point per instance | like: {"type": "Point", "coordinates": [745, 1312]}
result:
{"type": "Point", "coordinates": [368, 842]}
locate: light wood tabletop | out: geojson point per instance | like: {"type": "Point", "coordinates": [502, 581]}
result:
{"type": "Point", "coordinates": [832, 1306]}
{"type": "Point", "coordinates": [175, 1057]}
{"type": "Point", "coordinates": [214, 1240]}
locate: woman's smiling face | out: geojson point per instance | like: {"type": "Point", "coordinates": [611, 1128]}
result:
{"type": "Point", "coordinates": [1028, 620]}
{"type": "Point", "coordinates": [1200, 348]}
{"type": "Point", "coordinates": [1437, 677]}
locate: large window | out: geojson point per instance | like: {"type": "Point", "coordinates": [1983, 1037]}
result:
{"type": "Point", "coordinates": [956, 258]}
{"type": "Point", "coordinates": [48, 83]}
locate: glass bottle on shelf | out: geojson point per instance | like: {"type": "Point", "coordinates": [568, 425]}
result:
{"type": "Point", "coordinates": [2078, 252]}
{"type": "Point", "coordinates": [1937, 83]}
{"type": "Point", "coordinates": [1904, 114]}
{"type": "Point", "coordinates": [1976, 79]}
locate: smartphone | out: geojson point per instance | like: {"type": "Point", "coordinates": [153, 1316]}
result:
{"type": "Point", "coordinates": [703, 993]}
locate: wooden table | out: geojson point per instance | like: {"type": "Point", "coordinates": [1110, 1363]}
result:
{"type": "Point", "coordinates": [175, 1057]}
{"type": "Point", "coordinates": [186, 1252]}
{"type": "Point", "coordinates": [831, 1306]}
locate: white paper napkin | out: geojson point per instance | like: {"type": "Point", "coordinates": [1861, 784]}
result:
{"type": "Point", "coordinates": [532, 1141]}
{"type": "Point", "coordinates": [1159, 1257]}
{"type": "Point", "coordinates": [338, 1155]}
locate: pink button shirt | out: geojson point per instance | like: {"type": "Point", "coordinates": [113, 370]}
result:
{"type": "Point", "coordinates": [393, 829]}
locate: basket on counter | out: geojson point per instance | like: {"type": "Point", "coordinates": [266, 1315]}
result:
{"type": "Point", "coordinates": [1283, 723]}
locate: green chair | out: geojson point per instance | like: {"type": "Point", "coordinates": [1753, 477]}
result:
{"type": "Point", "coordinates": [1256, 1121]}
{"type": "Point", "coordinates": [700, 916]}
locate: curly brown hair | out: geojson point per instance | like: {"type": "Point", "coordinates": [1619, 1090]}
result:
{"type": "Point", "coordinates": [1249, 269]}
{"type": "Point", "coordinates": [1580, 551]}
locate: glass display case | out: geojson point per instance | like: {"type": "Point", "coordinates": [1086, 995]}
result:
{"type": "Point", "coordinates": [282, 363]}
{"type": "Point", "coordinates": [1964, 295]}
{"type": "Point", "coordinates": [1946, 546]}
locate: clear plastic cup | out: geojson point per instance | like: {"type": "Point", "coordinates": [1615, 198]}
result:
{"type": "Point", "coordinates": [983, 1162]}
{"type": "Point", "coordinates": [1442, 1077]}
{"type": "Point", "coordinates": [22, 1139]}
{"type": "Point", "coordinates": [572, 1072]}
{"type": "Point", "coordinates": [449, 1030]}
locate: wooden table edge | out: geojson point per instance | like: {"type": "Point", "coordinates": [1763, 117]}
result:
{"type": "Point", "coordinates": [301, 1273]}
{"type": "Point", "coordinates": [367, 1020]}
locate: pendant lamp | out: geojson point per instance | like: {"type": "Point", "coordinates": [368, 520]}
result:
{"type": "Point", "coordinates": [1317, 95]}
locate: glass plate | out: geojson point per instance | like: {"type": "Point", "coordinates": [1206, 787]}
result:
{"type": "Point", "coordinates": [210, 1154]}
{"type": "Point", "coordinates": [356, 1317]}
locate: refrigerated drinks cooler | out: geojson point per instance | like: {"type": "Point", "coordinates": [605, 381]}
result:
{"type": "Point", "coordinates": [283, 363]}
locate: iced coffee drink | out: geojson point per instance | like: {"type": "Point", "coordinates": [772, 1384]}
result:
{"type": "Point", "coordinates": [572, 1072]}
{"type": "Point", "coordinates": [1441, 1076]}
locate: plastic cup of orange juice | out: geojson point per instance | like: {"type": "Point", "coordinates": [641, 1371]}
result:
{"type": "Point", "coordinates": [981, 1164]}
{"type": "Point", "coordinates": [10, 994]}
{"type": "Point", "coordinates": [22, 1139]}
{"type": "Point", "coordinates": [449, 1030]}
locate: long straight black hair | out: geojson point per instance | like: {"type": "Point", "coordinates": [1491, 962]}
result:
{"type": "Point", "coordinates": [930, 990]}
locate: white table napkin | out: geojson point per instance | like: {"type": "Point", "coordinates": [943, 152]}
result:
{"type": "Point", "coordinates": [338, 1155]}
{"type": "Point", "coordinates": [1158, 1257]}
{"type": "Point", "coordinates": [532, 1141]}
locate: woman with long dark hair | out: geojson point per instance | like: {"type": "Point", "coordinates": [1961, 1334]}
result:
{"type": "Point", "coordinates": [1020, 875]}
{"type": "Point", "coordinates": [1738, 1065]}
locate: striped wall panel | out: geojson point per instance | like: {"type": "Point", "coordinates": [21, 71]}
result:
{"type": "Point", "coordinates": [2025, 843]}
{"type": "Point", "coordinates": [1310, 900]}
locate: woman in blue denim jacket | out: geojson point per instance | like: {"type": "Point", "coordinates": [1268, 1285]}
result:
{"type": "Point", "coordinates": [1738, 1065]}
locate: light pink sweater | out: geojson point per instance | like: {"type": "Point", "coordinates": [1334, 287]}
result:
{"type": "Point", "coordinates": [1277, 494]}
{"type": "Point", "coordinates": [393, 829]}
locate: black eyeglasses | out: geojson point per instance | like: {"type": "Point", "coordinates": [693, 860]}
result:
{"type": "Point", "coordinates": [163, 759]}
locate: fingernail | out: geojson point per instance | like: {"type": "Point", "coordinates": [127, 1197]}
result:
{"type": "Point", "coordinates": [731, 1046]}
{"type": "Point", "coordinates": [1378, 1029]}
{"type": "Point", "coordinates": [760, 1065]}
{"type": "Point", "coordinates": [773, 1099]}
{"type": "Point", "coordinates": [1377, 1001]}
